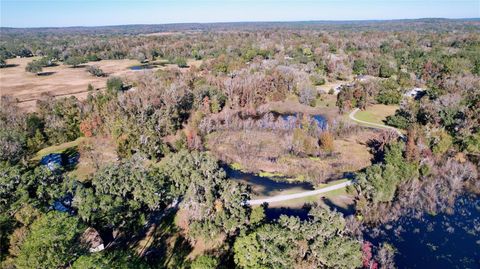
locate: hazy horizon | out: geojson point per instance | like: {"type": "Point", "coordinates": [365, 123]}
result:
{"type": "Point", "coordinates": [74, 13]}
{"type": "Point", "coordinates": [234, 22]}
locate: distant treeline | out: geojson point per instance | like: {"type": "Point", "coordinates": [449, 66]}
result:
{"type": "Point", "coordinates": [433, 24]}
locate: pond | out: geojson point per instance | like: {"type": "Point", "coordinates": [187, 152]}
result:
{"type": "Point", "coordinates": [436, 241]}
{"type": "Point", "coordinates": [141, 67]}
{"type": "Point", "coordinates": [320, 120]}
{"type": "Point", "coordinates": [287, 120]}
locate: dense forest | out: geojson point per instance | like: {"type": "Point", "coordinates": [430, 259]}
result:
{"type": "Point", "coordinates": [144, 172]}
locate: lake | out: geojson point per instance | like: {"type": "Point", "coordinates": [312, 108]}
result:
{"type": "Point", "coordinates": [436, 241]}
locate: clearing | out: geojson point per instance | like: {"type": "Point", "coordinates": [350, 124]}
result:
{"type": "Point", "coordinates": [376, 113]}
{"type": "Point", "coordinates": [62, 80]}
{"type": "Point", "coordinates": [94, 153]}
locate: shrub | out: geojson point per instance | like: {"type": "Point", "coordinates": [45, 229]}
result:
{"type": "Point", "coordinates": [114, 84]}
{"type": "Point", "coordinates": [95, 71]}
{"type": "Point", "coordinates": [181, 62]}
{"type": "Point", "coordinates": [92, 58]}
{"type": "Point", "coordinates": [34, 67]}
{"type": "Point", "coordinates": [205, 262]}
{"type": "Point", "coordinates": [45, 62]}
{"type": "Point", "coordinates": [303, 144]}
{"type": "Point", "coordinates": [386, 70]}
{"type": "Point", "coordinates": [75, 61]}
{"type": "Point", "coordinates": [317, 80]}
{"type": "Point", "coordinates": [441, 143]}
{"type": "Point", "coordinates": [359, 67]}
{"type": "Point", "coordinates": [326, 142]}
{"type": "Point", "coordinates": [307, 96]}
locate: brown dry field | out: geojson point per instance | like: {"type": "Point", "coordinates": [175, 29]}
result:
{"type": "Point", "coordinates": [63, 80]}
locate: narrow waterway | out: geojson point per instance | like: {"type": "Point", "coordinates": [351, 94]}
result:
{"type": "Point", "coordinates": [265, 186]}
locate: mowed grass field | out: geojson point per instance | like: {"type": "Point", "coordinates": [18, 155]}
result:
{"type": "Point", "coordinates": [376, 113]}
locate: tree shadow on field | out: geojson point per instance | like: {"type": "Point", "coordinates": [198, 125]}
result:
{"type": "Point", "coordinates": [9, 65]}
{"type": "Point", "coordinates": [44, 74]}
{"type": "Point", "coordinates": [346, 211]}
{"type": "Point", "coordinates": [169, 248]}
{"type": "Point", "coordinates": [78, 66]}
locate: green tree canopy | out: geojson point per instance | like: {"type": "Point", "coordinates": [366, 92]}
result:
{"type": "Point", "coordinates": [205, 262]}
{"type": "Point", "coordinates": [75, 61]}
{"type": "Point", "coordinates": [34, 67]}
{"type": "Point", "coordinates": [121, 195]}
{"type": "Point", "coordinates": [110, 259]}
{"type": "Point", "coordinates": [316, 243]}
{"type": "Point", "coordinates": [51, 243]}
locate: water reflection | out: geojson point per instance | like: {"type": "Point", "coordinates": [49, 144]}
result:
{"type": "Point", "coordinates": [435, 241]}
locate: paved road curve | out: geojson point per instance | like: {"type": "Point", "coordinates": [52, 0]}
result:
{"type": "Point", "coordinates": [286, 197]}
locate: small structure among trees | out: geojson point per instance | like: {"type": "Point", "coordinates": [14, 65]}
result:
{"type": "Point", "coordinates": [415, 93]}
{"type": "Point", "coordinates": [92, 240]}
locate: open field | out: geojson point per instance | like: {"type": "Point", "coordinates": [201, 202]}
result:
{"type": "Point", "coordinates": [58, 80]}
{"type": "Point", "coordinates": [332, 84]}
{"type": "Point", "coordinates": [63, 80]}
{"type": "Point", "coordinates": [376, 113]}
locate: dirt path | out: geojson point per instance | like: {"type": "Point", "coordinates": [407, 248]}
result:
{"type": "Point", "coordinates": [286, 197]}
{"type": "Point", "coordinates": [374, 125]}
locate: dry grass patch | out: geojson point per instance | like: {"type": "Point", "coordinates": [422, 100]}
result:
{"type": "Point", "coordinates": [265, 151]}
{"type": "Point", "coordinates": [95, 152]}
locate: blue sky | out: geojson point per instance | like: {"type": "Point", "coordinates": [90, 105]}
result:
{"type": "Point", "coordinates": [40, 13]}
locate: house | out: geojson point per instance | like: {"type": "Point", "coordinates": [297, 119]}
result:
{"type": "Point", "coordinates": [92, 240]}
{"type": "Point", "coordinates": [363, 78]}
{"type": "Point", "coordinates": [415, 93]}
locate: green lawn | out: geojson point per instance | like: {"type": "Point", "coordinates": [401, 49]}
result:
{"type": "Point", "coordinates": [60, 148]}
{"type": "Point", "coordinates": [376, 113]}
